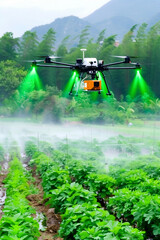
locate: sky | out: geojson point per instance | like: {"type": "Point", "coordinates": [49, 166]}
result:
{"type": "Point", "coordinates": [18, 16]}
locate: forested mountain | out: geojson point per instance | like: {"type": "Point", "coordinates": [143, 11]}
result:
{"type": "Point", "coordinates": [117, 17]}
{"type": "Point", "coordinates": [68, 26]}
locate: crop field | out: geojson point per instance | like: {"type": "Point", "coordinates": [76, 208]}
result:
{"type": "Point", "coordinates": [75, 181]}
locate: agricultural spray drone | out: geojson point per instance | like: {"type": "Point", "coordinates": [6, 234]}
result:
{"type": "Point", "coordinates": [88, 72]}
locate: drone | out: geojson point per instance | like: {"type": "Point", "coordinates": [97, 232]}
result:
{"type": "Point", "coordinates": [88, 71]}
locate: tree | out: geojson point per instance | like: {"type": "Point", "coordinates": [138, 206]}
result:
{"type": "Point", "coordinates": [46, 46]}
{"type": "Point", "coordinates": [28, 46]}
{"type": "Point", "coordinates": [83, 38]}
{"type": "Point", "coordinates": [101, 36]}
{"type": "Point", "coordinates": [8, 46]}
{"type": "Point", "coordinates": [10, 78]}
{"type": "Point", "coordinates": [153, 56]}
{"type": "Point", "coordinates": [107, 48]}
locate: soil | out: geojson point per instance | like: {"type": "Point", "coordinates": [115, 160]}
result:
{"type": "Point", "coordinates": [53, 220]}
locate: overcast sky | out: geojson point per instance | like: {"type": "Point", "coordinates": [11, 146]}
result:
{"type": "Point", "coordinates": [18, 16]}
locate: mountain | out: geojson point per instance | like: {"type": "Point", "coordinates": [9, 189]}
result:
{"type": "Point", "coordinates": [138, 11]}
{"type": "Point", "coordinates": [117, 17]}
{"type": "Point", "coordinates": [63, 27]}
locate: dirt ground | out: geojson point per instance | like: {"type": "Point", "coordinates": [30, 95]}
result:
{"type": "Point", "coordinates": [52, 220]}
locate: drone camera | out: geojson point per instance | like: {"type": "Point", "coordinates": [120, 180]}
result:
{"type": "Point", "coordinates": [96, 84]}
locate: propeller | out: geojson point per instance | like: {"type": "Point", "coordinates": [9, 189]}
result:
{"type": "Point", "coordinates": [46, 56]}
{"type": "Point", "coordinates": [125, 56]}
{"type": "Point", "coordinates": [33, 61]}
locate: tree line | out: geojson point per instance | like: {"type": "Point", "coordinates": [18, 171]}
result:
{"type": "Point", "coordinates": [140, 42]}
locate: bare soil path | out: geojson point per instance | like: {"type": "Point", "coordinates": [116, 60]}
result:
{"type": "Point", "coordinates": [52, 220]}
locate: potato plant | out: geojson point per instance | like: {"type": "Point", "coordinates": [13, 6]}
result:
{"type": "Point", "coordinates": [17, 222]}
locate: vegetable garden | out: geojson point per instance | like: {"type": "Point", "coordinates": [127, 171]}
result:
{"type": "Point", "coordinates": [57, 191]}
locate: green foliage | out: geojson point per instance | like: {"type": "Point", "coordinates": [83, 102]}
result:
{"type": "Point", "coordinates": [10, 78]}
{"type": "Point", "coordinates": [46, 45]}
{"type": "Point", "coordinates": [90, 222]}
{"type": "Point", "coordinates": [101, 184]}
{"type": "Point", "coordinates": [16, 222]}
{"type": "Point", "coordinates": [130, 179]}
{"type": "Point", "coordinates": [123, 201]}
{"type": "Point", "coordinates": [18, 227]}
{"type": "Point", "coordinates": [60, 157]}
{"type": "Point", "coordinates": [46, 147]}
{"type": "Point", "coordinates": [42, 162]}
{"type": "Point", "coordinates": [80, 169]}
{"type": "Point", "coordinates": [68, 195]}
{"type": "Point", "coordinates": [16, 181]}
{"type": "Point", "coordinates": [8, 47]}
{"type": "Point", "coordinates": [150, 164]}
{"type": "Point", "coordinates": [146, 213]}
{"type": "Point", "coordinates": [28, 46]}
{"type": "Point", "coordinates": [30, 148]}
{"type": "Point", "coordinates": [137, 207]}
{"type": "Point", "coordinates": [14, 151]}
{"type": "Point", "coordinates": [78, 217]}
{"type": "Point", "coordinates": [133, 43]}
{"type": "Point", "coordinates": [150, 185]}
{"type": "Point", "coordinates": [83, 37]}
{"type": "Point", "coordinates": [54, 178]}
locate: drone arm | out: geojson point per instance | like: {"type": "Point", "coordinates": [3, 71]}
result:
{"type": "Point", "coordinates": [115, 63]}
{"type": "Point", "coordinates": [64, 64]}
{"type": "Point", "coordinates": [115, 68]}
{"type": "Point", "coordinates": [126, 60]}
{"type": "Point", "coordinates": [54, 66]}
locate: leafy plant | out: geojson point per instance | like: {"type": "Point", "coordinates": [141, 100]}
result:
{"type": "Point", "coordinates": [68, 195]}
{"type": "Point", "coordinates": [54, 178]}
{"type": "Point", "coordinates": [130, 179]}
{"type": "Point", "coordinates": [123, 202]}
{"type": "Point", "coordinates": [146, 213]}
{"type": "Point", "coordinates": [90, 222]}
{"type": "Point", "coordinates": [101, 184]}
{"type": "Point", "coordinates": [17, 222]}
{"type": "Point", "coordinates": [150, 185]}
{"type": "Point", "coordinates": [80, 169]}
{"type": "Point", "coordinates": [30, 148]}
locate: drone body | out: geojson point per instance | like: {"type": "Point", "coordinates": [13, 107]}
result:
{"type": "Point", "coordinates": [88, 71]}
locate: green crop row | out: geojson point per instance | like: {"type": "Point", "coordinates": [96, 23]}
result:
{"type": "Point", "coordinates": [82, 216]}
{"type": "Point", "coordinates": [138, 208]}
{"type": "Point", "coordinates": [17, 222]}
{"type": "Point", "coordinates": [132, 193]}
